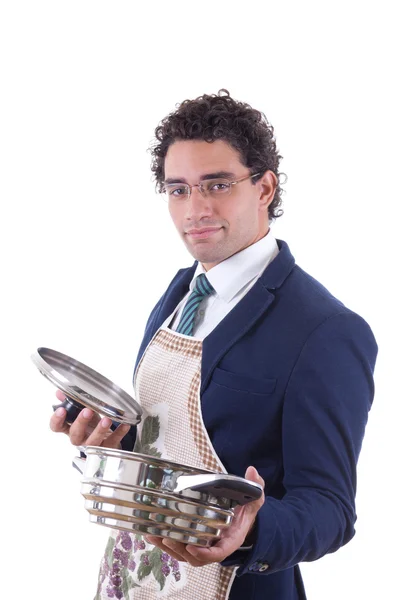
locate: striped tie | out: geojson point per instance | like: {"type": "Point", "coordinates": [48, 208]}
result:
{"type": "Point", "coordinates": [201, 289]}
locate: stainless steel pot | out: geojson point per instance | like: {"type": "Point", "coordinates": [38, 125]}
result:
{"type": "Point", "coordinates": [140, 493]}
{"type": "Point", "coordinates": [137, 492]}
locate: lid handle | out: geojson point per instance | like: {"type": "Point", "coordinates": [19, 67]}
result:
{"type": "Point", "coordinates": [73, 408]}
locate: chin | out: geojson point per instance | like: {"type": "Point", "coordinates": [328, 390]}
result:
{"type": "Point", "coordinates": [206, 255]}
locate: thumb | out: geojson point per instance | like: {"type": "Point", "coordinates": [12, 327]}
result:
{"type": "Point", "coordinates": [253, 475]}
{"type": "Point", "coordinates": [251, 509]}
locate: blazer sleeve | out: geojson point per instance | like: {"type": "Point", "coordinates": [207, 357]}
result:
{"type": "Point", "coordinates": [325, 411]}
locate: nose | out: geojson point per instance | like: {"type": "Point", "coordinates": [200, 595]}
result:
{"type": "Point", "coordinates": [198, 206]}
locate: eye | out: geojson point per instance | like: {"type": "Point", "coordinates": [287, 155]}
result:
{"type": "Point", "coordinates": [218, 187]}
{"type": "Point", "coordinates": [179, 191]}
{"type": "Point", "coordinates": [176, 191]}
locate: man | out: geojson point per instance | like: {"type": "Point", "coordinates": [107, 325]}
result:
{"type": "Point", "coordinates": [251, 367]}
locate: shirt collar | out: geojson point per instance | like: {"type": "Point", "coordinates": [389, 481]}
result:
{"type": "Point", "coordinates": [232, 274]}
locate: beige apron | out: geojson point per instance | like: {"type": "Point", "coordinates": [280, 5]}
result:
{"type": "Point", "coordinates": [167, 386]}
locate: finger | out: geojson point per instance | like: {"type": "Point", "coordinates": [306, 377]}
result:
{"type": "Point", "coordinates": [177, 547]}
{"type": "Point", "coordinates": [180, 549]}
{"type": "Point", "coordinates": [60, 395]}
{"type": "Point", "coordinates": [206, 556]}
{"type": "Point", "coordinates": [250, 511]}
{"type": "Point", "coordinates": [100, 432]}
{"type": "Point", "coordinates": [230, 542]}
{"type": "Point", "coordinates": [115, 438]}
{"type": "Point", "coordinates": [155, 540]}
{"type": "Point", "coordinates": [159, 542]}
{"type": "Point", "coordinates": [79, 431]}
{"type": "Point", "coordinates": [253, 475]}
{"type": "Point", "coordinates": [57, 421]}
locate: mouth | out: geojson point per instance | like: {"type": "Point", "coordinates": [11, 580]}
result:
{"type": "Point", "coordinates": [202, 233]}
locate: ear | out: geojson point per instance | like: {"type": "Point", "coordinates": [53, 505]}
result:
{"type": "Point", "coordinates": [267, 184]}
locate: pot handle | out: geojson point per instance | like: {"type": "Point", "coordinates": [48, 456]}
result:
{"type": "Point", "coordinates": [79, 464]}
{"type": "Point", "coordinates": [239, 490]}
{"type": "Point", "coordinates": [73, 408]}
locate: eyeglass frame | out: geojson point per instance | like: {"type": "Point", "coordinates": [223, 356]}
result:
{"type": "Point", "coordinates": [201, 190]}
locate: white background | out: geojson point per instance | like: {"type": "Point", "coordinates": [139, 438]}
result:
{"type": "Point", "coordinates": [87, 247]}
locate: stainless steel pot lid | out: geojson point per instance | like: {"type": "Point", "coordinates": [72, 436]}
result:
{"type": "Point", "coordinates": [86, 388]}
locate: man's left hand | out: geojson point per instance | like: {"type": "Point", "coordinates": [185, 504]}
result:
{"type": "Point", "coordinates": [231, 539]}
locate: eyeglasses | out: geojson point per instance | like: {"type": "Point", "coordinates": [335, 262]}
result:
{"type": "Point", "coordinates": [213, 188]}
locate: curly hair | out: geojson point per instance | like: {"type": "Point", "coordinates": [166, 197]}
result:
{"type": "Point", "coordinates": [220, 117]}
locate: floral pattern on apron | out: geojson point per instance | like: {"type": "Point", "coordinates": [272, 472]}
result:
{"type": "Point", "coordinates": [167, 386]}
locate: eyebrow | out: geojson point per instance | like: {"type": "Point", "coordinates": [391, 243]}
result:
{"type": "Point", "coordinates": [216, 175]}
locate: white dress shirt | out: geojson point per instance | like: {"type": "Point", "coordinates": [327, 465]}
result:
{"type": "Point", "coordinates": [231, 280]}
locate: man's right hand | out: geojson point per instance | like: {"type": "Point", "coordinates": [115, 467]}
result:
{"type": "Point", "coordinates": [88, 429]}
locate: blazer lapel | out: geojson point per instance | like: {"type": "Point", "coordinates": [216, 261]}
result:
{"type": "Point", "coordinates": [173, 295]}
{"type": "Point", "coordinates": [243, 316]}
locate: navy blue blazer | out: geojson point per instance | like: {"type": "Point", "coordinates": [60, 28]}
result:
{"type": "Point", "coordinates": [286, 386]}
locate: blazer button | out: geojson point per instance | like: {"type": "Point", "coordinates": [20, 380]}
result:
{"type": "Point", "coordinates": [263, 567]}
